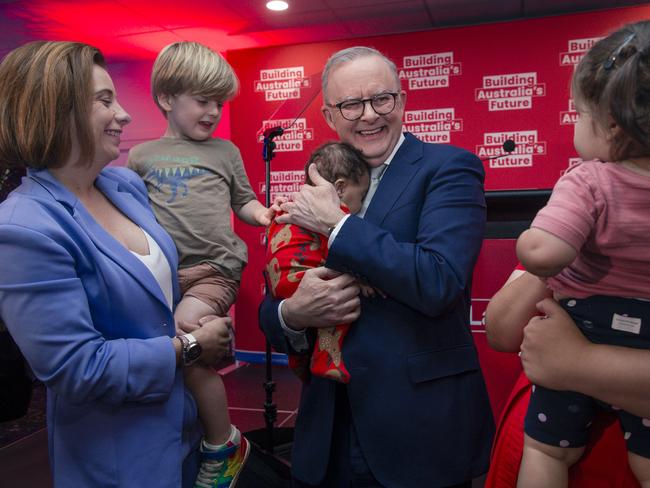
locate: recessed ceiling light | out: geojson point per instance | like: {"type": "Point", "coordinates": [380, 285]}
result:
{"type": "Point", "coordinates": [277, 5]}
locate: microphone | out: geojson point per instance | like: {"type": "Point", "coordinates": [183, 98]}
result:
{"type": "Point", "coordinates": [272, 132]}
{"type": "Point", "coordinates": [269, 146]}
{"type": "Point", "coordinates": [508, 146]}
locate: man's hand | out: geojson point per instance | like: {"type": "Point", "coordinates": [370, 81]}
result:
{"type": "Point", "coordinates": [553, 348]}
{"type": "Point", "coordinates": [214, 334]}
{"type": "Point", "coordinates": [324, 298]}
{"type": "Point", "coordinates": [316, 208]}
{"type": "Point", "coordinates": [369, 291]}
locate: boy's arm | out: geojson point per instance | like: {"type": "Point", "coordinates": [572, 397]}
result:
{"type": "Point", "coordinates": [544, 254]}
{"type": "Point", "coordinates": [254, 213]}
{"type": "Point", "coordinates": [511, 308]}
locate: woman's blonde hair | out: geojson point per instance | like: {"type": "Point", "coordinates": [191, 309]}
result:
{"type": "Point", "coordinates": [192, 68]}
{"type": "Point", "coordinates": [45, 98]}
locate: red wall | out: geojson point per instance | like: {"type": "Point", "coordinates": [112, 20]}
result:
{"type": "Point", "coordinates": [473, 87]}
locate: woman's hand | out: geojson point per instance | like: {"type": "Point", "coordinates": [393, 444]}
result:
{"type": "Point", "coordinates": [214, 334]}
{"type": "Point", "coordinates": [553, 347]}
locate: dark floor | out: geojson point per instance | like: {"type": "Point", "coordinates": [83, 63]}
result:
{"type": "Point", "coordinates": [23, 443]}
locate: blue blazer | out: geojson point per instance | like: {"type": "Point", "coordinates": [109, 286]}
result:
{"type": "Point", "coordinates": [94, 326]}
{"type": "Point", "coordinates": [417, 395]}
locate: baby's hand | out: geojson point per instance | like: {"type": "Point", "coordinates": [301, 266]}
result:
{"type": "Point", "coordinates": [370, 292]}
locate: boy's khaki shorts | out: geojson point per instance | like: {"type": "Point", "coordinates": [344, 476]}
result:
{"type": "Point", "coordinates": [205, 283]}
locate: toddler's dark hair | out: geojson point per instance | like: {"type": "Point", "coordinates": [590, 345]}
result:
{"type": "Point", "coordinates": [613, 79]}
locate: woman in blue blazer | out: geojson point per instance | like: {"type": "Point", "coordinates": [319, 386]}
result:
{"type": "Point", "coordinates": [88, 280]}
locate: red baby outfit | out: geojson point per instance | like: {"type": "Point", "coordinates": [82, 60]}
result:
{"type": "Point", "coordinates": [291, 251]}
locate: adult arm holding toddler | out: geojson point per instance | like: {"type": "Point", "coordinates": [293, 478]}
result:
{"type": "Point", "coordinates": [590, 243]}
{"type": "Point", "coordinates": [556, 355]}
{"type": "Point", "coordinates": [92, 315]}
{"type": "Point", "coordinates": [554, 352]}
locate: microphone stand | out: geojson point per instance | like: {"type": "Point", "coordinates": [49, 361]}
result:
{"type": "Point", "coordinates": [270, 408]}
{"type": "Point", "coordinates": [508, 146]}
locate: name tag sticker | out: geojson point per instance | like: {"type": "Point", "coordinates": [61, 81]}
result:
{"type": "Point", "coordinates": [627, 324]}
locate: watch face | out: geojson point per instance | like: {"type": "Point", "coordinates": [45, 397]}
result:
{"type": "Point", "coordinates": [193, 352]}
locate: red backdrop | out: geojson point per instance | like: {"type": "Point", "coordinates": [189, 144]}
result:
{"type": "Point", "coordinates": [472, 87]}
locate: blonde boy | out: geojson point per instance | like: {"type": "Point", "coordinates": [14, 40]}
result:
{"type": "Point", "coordinates": [194, 180]}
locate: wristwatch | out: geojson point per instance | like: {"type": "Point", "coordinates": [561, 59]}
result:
{"type": "Point", "coordinates": [191, 349]}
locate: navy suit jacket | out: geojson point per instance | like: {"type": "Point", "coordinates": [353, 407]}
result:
{"type": "Point", "coordinates": [95, 327]}
{"type": "Point", "coordinates": [417, 395]}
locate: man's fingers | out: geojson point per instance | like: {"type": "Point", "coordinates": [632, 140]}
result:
{"type": "Point", "coordinates": [287, 206]}
{"type": "Point", "coordinates": [351, 317]}
{"type": "Point", "coordinates": [351, 310]}
{"type": "Point", "coordinates": [324, 273]}
{"type": "Point", "coordinates": [286, 217]}
{"type": "Point", "coordinates": [343, 280]}
{"type": "Point", "coordinates": [315, 176]}
{"type": "Point", "coordinates": [350, 290]}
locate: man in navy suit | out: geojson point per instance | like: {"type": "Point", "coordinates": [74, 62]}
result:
{"type": "Point", "coordinates": [415, 412]}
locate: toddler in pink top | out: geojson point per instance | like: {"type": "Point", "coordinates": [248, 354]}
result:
{"type": "Point", "coordinates": [591, 242]}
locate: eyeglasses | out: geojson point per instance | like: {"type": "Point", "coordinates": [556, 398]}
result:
{"type": "Point", "coordinates": [609, 64]}
{"type": "Point", "coordinates": [382, 104]}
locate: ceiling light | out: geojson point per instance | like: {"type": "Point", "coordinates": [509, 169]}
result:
{"type": "Point", "coordinates": [277, 5]}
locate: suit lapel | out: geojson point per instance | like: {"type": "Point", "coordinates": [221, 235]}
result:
{"type": "Point", "coordinates": [396, 178]}
{"type": "Point", "coordinates": [105, 242]}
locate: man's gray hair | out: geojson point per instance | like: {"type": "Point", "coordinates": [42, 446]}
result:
{"type": "Point", "coordinates": [349, 54]}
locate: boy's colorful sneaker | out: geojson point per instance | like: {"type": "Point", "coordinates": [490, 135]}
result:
{"type": "Point", "coordinates": [221, 469]}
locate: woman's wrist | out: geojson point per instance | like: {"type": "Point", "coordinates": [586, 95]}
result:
{"type": "Point", "coordinates": [178, 350]}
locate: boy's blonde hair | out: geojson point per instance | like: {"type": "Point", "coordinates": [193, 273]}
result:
{"type": "Point", "coordinates": [192, 68]}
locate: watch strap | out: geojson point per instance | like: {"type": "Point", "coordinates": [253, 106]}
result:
{"type": "Point", "coordinates": [187, 341]}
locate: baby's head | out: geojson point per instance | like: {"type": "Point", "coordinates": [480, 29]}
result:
{"type": "Point", "coordinates": [343, 166]}
{"type": "Point", "coordinates": [611, 90]}
{"type": "Point", "coordinates": [190, 83]}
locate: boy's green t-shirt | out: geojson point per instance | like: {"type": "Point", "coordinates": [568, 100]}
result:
{"type": "Point", "coordinates": [192, 186]}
